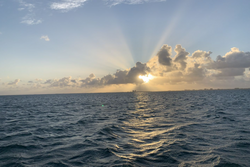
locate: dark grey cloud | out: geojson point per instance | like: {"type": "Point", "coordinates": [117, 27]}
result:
{"type": "Point", "coordinates": [49, 81]}
{"type": "Point", "coordinates": [229, 72]}
{"type": "Point", "coordinates": [119, 77]}
{"type": "Point", "coordinates": [164, 55]}
{"type": "Point", "coordinates": [195, 73]}
{"type": "Point", "coordinates": [181, 56]}
{"type": "Point", "coordinates": [233, 59]}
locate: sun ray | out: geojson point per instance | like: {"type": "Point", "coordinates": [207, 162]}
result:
{"type": "Point", "coordinates": [170, 28]}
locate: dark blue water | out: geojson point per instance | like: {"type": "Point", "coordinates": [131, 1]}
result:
{"type": "Point", "coordinates": [193, 128]}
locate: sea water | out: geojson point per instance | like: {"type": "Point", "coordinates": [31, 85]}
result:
{"type": "Point", "coordinates": [186, 128]}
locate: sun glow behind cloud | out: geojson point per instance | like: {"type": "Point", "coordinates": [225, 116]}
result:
{"type": "Point", "coordinates": [146, 78]}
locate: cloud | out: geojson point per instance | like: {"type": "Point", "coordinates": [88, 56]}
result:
{"type": "Point", "coordinates": [67, 5]}
{"type": "Point", "coordinates": [63, 5]}
{"type": "Point", "coordinates": [229, 72]}
{"type": "Point", "coordinates": [201, 57]}
{"type": "Point", "coordinates": [164, 55]}
{"type": "Point", "coordinates": [130, 2]}
{"type": "Point", "coordinates": [63, 82]}
{"type": "Point", "coordinates": [26, 6]}
{"type": "Point", "coordinates": [119, 77]}
{"type": "Point", "coordinates": [45, 37]}
{"type": "Point", "coordinates": [181, 56]}
{"type": "Point", "coordinates": [129, 76]}
{"type": "Point", "coordinates": [232, 59]}
{"type": "Point", "coordinates": [29, 18]}
{"type": "Point", "coordinates": [199, 67]}
{"type": "Point", "coordinates": [179, 71]}
{"type": "Point", "coordinates": [14, 82]}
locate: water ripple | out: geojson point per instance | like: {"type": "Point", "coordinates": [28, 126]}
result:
{"type": "Point", "coordinates": [194, 128]}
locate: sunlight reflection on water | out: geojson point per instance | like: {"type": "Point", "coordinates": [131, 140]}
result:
{"type": "Point", "coordinates": [195, 128]}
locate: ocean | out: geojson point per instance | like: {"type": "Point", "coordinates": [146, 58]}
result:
{"type": "Point", "coordinates": [179, 129]}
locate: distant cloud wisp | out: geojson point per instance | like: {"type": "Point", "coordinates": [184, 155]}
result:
{"type": "Point", "coordinates": [32, 9]}
{"type": "Point", "coordinates": [29, 18]}
{"type": "Point", "coordinates": [26, 6]}
{"type": "Point", "coordinates": [67, 5]}
{"type": "Point", "coordinates": [45, 37]}
{"type": "Point", "coordinates": [129, 2]}
{"type": "Point", "coordinates": [14, 82]}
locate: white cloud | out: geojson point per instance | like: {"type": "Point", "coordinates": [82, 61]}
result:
{"type": "Point", "coordinates": [30, 21]}
{"type": "Point", "coordinates": [26, 6]}
{"type": "Point", "coordinates": [130, 2]}
{"type": "Point", "coordinates": [45, 37]}
{"type": "Point", "coordinates": [181, 71]}
{"type": "Point", "coordinates": [67, 5]}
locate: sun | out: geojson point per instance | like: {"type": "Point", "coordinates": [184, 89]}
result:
{"type": "Point", "coordinates": [146, 78]}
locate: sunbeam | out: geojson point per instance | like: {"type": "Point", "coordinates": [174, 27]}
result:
{"type": "Point", "coordinates": [170, 27]}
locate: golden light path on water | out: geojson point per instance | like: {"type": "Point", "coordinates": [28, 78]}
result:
{"type": "Point", "coordinates": [144, 135]}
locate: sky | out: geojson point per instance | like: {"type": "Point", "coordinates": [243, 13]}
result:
{"type": "Point", "coordinates": [84, 46]}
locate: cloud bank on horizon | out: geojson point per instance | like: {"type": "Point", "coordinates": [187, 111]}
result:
{"type": "Point", "coordinates": [183, 68]}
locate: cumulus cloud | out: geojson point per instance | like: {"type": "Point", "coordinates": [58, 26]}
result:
{"type": "Point", "coordinates": [129, 76]}
{"type": "Point", "coordinates": [199, 66]}
{"type": "Point", "coordinates": [36, 84]}
{"type": "Point", "coordinates": [181, 56]}
{"type": "Point", "coordinates": [201, 57]}
{"type": "Point", "coordinates": [67, 5]}
{"type": "Point", "coordinates": [232, 59]}
{"type": "Point", "coordinates": [45, 37]}
{"type": "Point", "coordinates": [14, 82]}
{"type": "Point", "coordinates": [228, 72]}
{"type": "Point", "coordinates": [164, 55]}
{"type": "Point", "coordinates": [119, 77]}
{"type": "Point", "coordinates": [63, 82]}
{"type": "Point", "coordinates": [183, 69]}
